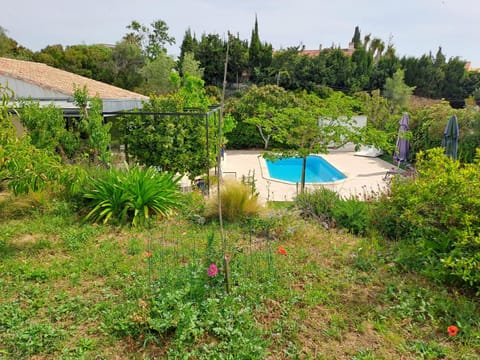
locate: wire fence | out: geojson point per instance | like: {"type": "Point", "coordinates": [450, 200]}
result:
{"type": "Point", "coordinates": [251, 251]}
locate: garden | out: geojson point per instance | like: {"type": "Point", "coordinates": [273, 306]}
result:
{"type": "Point", "coordinates": [111, 262]}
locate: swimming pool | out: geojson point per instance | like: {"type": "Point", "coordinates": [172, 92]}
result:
{"type": "Point", "coordinates": [318, 170]}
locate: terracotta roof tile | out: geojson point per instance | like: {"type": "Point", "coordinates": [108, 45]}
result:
{"type": "Point", "coordinates": [61, 81]}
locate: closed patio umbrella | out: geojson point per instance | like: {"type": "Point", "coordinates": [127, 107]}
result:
{"type": "Point", "coordinates": [402, 147]}
{"type": "Point", "coordinates": [450, 138]}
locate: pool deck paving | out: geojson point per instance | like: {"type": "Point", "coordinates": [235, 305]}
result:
{"type": "Point", "coordinates": [364, 174]}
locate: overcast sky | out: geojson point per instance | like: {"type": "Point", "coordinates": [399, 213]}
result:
{"type": "Point", "coordinates": [415, 27]}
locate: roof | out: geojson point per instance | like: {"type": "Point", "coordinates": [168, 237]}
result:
{"type": "Point", "coordinates": [314, 53]}
{"type": "Point", "coordinates": [61, 81]}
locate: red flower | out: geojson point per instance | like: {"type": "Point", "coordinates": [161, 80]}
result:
{"type": "Point", "coordinates": [452, 330]}
{"type": "Point", "coordinates": [148, 254]}
{"type": "Point", "coordinates": [281, 250]}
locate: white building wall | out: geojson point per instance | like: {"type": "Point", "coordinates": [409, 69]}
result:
{"type": "Point", "coordinates": [23, 89]}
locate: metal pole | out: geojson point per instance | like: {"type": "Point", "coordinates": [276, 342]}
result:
{"type": "Point", "coordinates": [208, 155]}
{"type": "Point", "coordinates": [226, 256]}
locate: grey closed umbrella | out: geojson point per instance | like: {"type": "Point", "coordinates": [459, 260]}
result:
{"type": "Point", "coordinates": [402, 147]}
{"type": "Point", "coordinates": [450, 138]}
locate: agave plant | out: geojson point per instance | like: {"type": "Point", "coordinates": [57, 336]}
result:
{"type": "Point", "coordinates": [132, 195]}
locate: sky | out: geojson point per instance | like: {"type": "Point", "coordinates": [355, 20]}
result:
{"type": "Point", "coordinates": [414, 27]}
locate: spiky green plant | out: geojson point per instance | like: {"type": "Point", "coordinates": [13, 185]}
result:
{"type": "Point", "coordinates": [132, 195]}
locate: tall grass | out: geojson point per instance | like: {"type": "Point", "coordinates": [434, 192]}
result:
{"type": "Point", "coordinates": [237, 202]}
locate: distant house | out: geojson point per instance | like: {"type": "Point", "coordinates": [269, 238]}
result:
{"type": "Point", "coordinates": [349, 51]}
{"type": "Point", "coordinates": [47, 85]}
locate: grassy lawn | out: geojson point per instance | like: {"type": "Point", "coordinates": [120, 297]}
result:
{"type": "Point", "coordinates": [80, 291]}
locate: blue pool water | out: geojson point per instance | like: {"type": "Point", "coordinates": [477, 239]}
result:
{"type": "Point", "coordinates": [290, 169]}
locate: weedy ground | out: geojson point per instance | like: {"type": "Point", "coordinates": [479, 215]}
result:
{"type": "Point", "coordinates": [71, 290]}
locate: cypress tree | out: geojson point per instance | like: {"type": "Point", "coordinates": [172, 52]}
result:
{"type": "Point", "coordinates": [357, 41]}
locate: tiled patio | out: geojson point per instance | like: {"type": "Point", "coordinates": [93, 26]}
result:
{"type": "Point", "coordinates": [364, 174]}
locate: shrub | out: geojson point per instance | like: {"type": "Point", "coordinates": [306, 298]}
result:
{"type": "Point", "coordinates": [319, 204]}
{"type": "Point", "coordinates": [237, 202]}
{"type": "Point", "coordinates": [438, 211]}
{"type": "Point", "coordinates": [132, 195]}
{"type": "Point", "coordinates": [352, 215]}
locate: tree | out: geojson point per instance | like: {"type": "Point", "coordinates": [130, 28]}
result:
{"type": "Point", "coordinates": [174, 143]}
{"type": "Point", "coordinates": [362, 62]}
{"type": "Point", "coordinates": [237, 58]}
{"type": "Point", "coordinates": [397, 91]}
{"type": "Point", "coordinates": [46, 128]}
{"type": "Point", "coordinates": [383, 69]}
{"type": "Point", "coordinates": [339, 70]}
{"type": "Point", "coordinates": [128, 62]}
{"type": "Point", "coordinates": [454, 81]}
{"type": "Point", "coordinates": [356, 39]}
{"type": "Point", "coordinates": [53, 55]}
{"type": "Point", "coordinates": [151, 40]}
{"type": "Point", "coordinates": [211, 54]}
{"type": "Point", "coordinates": [424, 75]}
{"type": "Point", "coordinates": [255, 48]}
{"type": "Point", "coordinates": [283, 68]}
{"type": "Point", "coordinates": [189, 45]}
{"type": "Point", "coordinates": [190, 66]}
{"type": "Point", "coordinates": [259, 55]}
{"type": "Point", "coordinates": [259, 107]}
{"type": "Point", "coordinates": [92, 61]}
{"type": "Point", "coordinates": [91, 124]}
{"type": "Point", "coordinates": [23, 167]}
{"type": "Point", "coordinates": [3, 42]}
{"type": "Point", "coordinates": [314, 125]}
{"type": "Point", "coordinates": [157, 75]}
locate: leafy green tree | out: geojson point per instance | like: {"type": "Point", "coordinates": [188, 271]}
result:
{"type": "Point", "coordinates": [472, 85]}
{"type": "Point", "coordinates": [92, 61]}
{"type": "Point", "coordinates": [157, 75]}
{"type": "Point", "coordinates": [211, 54]}
{"type": "Point", "coordinates": [190, 66]}
{"type": "Point", "coordinates": [382, 70]}
{"type": "Point", "coordinates": [453, 83]}
{"type": "Point", "coordinates": [4, 42]}
{"type": "Point", "coordinates": [189, 45]}
{"type": "Point", "coordinates": [91, 123]}
{"type": "Point", "coordinates": [174, 143]}
{"type": "Point", "coordinates": [339, 70]}
{"type": "Point", "coordinates": [283, 67]}
{"type": "Point", "coordinates": [362, 62]}
{"type": "Point", "coordinates": [259, 107]}
{"type": "Point", "coordinates": [151, 40]}
{"type": "Point", "coordinates": [47, 130]}
{"type": "Point", "coordinates": [397, 91]}
{"type": "Point", "coordinates": [53, 55]}
{"type": "Point", "coordinates": [128, 62]}
{"type": "Point", "coordinates": [23, 166]}
{"type": "Point", "coordinates": [424, 75]}
{"type": "Point", "coordinates": [237, 58]}
{"type": "Point", "coordinates": [314, 125]}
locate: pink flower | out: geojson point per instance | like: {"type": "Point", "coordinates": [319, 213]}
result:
{"type": "Point", "coordinates": [212, 270]}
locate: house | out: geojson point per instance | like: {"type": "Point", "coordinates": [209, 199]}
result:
{"type": "Point", "coordinates": [46, 84]}
{"type": "Point", "coordinates": [348, 52]}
